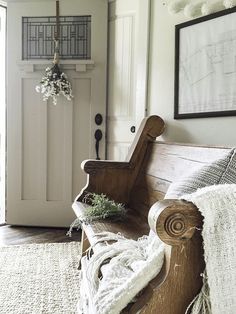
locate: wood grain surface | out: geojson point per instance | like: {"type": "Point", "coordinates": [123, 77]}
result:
{"type": "Point", "coordinates": [140, 182]}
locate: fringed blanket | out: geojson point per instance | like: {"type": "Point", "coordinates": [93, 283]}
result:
{"type": "Point", "coordinates": [218, 207]}
{"type": "Point", "coordinates": [117, 272]}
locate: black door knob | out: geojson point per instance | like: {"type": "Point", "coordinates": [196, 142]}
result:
{"type": "Point", "coordinates": [133, 129]}
{"type": "Point", "coordinates": [98, 119]}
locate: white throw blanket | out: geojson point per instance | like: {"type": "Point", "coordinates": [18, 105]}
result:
{"type": "Point", "coordinates": [126, 267]}
{"type": "Point", "coordinates": [129, 265]}
{"type": "Point", "coordinates": [218, 206]}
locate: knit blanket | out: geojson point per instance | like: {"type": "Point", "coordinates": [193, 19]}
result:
{"type": "Point", "coordinates": [117, 272]}
{"type": "Point", "coordinates": [218, 206]}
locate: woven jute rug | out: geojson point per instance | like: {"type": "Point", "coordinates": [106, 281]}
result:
{"type": "Point", "coordinates": [39, 278]}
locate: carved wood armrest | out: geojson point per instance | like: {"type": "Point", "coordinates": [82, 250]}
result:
{"type": "Point", "coordinates": [91, 166]}
{"type": "Point", "coordinates": [108, 177]}
{"type": "Point", "coordinates": [116, 179]}
{"type": "Point", "coordinates": [174, 221]}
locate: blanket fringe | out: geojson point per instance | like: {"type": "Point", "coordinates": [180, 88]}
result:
{"type": "Point", "coordinates": [75, 224]}
{"type": "Point", "coordinates": [123, 251]}
{"type": "Point", "coordinates": [118, 270]}
{"type": "Point", "coordinates": [201, 303]}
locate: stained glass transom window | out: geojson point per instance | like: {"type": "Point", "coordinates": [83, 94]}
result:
{"type": "Point", "coordinates": [74, 41]}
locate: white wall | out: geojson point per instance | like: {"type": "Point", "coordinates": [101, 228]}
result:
{"type": "Point", "coordinates": [220, 130]}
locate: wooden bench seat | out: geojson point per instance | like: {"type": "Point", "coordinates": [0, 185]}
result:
{"type": "Point", "coordinates": [138, 227]}
{"type": "Point", "coordinates": [141, 182]}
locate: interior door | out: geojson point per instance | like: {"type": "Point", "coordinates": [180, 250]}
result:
{"type": "Point", "coordinates": [127, 72]}
{"type": "Point", "coordinates": [2, 111]}
{"type": "Point", "coordinates": [47, 143]}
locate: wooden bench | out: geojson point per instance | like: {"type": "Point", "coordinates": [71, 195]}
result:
{"type": "Point", "coordinates": [139, 182]}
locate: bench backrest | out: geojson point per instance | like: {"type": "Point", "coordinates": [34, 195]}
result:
{"type": "Point", "coordinates": [150, 167]}
{"type": "Point", "coordinates": [163, 164]}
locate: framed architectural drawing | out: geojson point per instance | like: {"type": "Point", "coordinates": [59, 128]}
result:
{"type": "Point", "coordinates": [205, 66]}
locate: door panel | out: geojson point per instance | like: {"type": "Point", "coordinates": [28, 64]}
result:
{"type": "Point", "coordinates": [2, 112]}
{"type": "Point", "coordinates": [127, 72]}
{"type": "Point", "coordinates": [47, 143]}
{"type": "Point", "coordinates": [121, 61]}
{"type": "Point", "coordinates": [80, 148]}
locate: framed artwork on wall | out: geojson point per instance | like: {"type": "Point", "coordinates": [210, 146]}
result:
{"type": "Point", "coordinates": [205, 66]}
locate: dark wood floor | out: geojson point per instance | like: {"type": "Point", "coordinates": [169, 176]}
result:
{"type": "Point", "coordinates": [12, 235]}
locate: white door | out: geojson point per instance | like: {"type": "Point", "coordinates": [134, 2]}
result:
{"type": "Point", "coordinates": [47, 143]}
{"type": "Point", "coordinates": [127, 72]}
{"type": "Point", "coordinates": [2, 111]}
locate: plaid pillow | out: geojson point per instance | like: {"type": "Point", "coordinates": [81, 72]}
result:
{"type": "Point", "coordinates": [221, 171]}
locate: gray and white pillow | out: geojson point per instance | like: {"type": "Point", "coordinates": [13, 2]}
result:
{"type": "Point", "coordinates": [221, 171]}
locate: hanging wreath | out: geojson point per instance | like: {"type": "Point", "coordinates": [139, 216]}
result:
{"type": "Point", "coordinates": [55, 82]}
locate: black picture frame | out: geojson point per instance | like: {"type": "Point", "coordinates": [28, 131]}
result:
{"type": "Point", "coordinates": [189, 106]}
